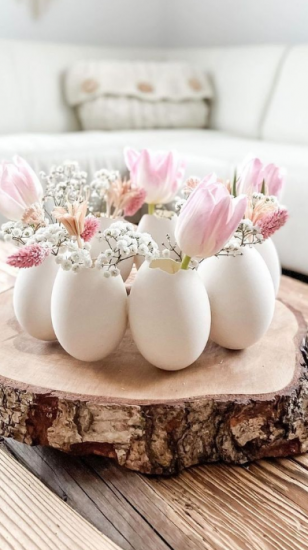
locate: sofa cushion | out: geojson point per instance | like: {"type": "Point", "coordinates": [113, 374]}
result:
{"type": "Point", "coordinates": [117, 95]}
{"type": "Point", "coordinates": [287, 116]}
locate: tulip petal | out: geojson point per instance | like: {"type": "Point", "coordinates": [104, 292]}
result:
{"type": "Point", "coordinates": [131, 156]}
{"type": "Point", "coordinates": [208, 219]}
{"type": "Point", "coordinates": [9, 207]}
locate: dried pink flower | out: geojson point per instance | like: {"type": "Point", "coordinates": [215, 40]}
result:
{"type": "Point", "coordinates": [34, 215]}
{"type": "Point", "coordinates": [91, 226]}
{"type": "Point", "coordinates": [273, 221]}
{"type": "Point", "coordinates": [72, 217]}
{"type": "Point", "coordinates": [28, 256]}
{"type": "Point", "coordinates": [190, 185]}
{"type": "Point", "coordinates": [258, 209]}
{"type": "Point", "coordinates": [136, 200]}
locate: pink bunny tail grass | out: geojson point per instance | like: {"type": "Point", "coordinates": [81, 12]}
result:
{"type": "Point", "coordinates": [272, 222]}
{"type": "Point", "coordinates": [28, 256]}
{"type": "Point", "coordinates": [91, 227]}
{"type": "Point", "coordinates": [135, 202]}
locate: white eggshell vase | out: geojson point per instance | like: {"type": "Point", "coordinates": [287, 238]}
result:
{"type": "Point", "coordinates": [89, 313]}
{"type": "Point", "coordinates": [98, 245]}
{"type": "Point", "coordinates": [159, 228]}
{"type": "Point", "coordinates": [242, 298]}
{"type": "Point", "coordinates": [269, 254]}
{"type": "Point", "coordinates": [32, 299]}
{"type": "Point", "coordinates": [169, 314]}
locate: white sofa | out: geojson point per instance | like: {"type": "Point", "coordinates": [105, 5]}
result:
{"type": "Point", "coordinates": [260, 107]}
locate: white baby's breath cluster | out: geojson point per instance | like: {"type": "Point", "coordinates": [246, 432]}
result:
{"type": "Point", "coordinates": [164, 213]}
{"type": "Point", "coordinates": [123, 242]}
{"type": "Point", "coordinates": [16, 231]}
{"type": "Point", "coordinates": [64, 183]}
{"type": "Point", "coordinates": [247, 234]}
{"type": "Point", "coordinates": [53, 236]}
{"type": "Point", "coordinates": [100, 190]}
{"type": "Point", "coordinates": [72, 258]}
{"type": "Point", "coordinates": [231, 248]}
{"type": "Point", "coordinates": [256, 197]}
{"type": "Point", "coordinates": [102, 181]}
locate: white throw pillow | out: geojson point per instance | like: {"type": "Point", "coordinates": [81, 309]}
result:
{"type": "Point", "coordinates": [118, 95]}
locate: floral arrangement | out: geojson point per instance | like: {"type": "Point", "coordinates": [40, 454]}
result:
{"type": "Point", "coordinates": [264, 215]}
{"type": "Point", "coordinates": [37, 230]}
{"type": "Point", "coordinates": [123, 243]}
{"type": "Point", "coordinates": [214, 218]}
{"type": "Point", "coordinates": [59, 221]}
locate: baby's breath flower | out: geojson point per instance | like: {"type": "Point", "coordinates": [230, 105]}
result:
{"type": "Point", "coordinates": [64, 182]}
{"type": "Point", "coordinates": [166, 253]}
{"type": "Point", "coordinates": [194, 263]}
{"type": "Point", "coordinates": [66, 265]}
{"type": "Point", "coordinates": [143, 249]}
{"type": "Point", "coordinates": [59, 259]}
{"type": "Point", "coordinates": [123, 243]}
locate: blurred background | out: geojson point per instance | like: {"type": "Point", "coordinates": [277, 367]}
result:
{"type": "Point", "coordinates": [156, 23]}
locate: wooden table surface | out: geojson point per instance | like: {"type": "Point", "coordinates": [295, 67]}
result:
{"type": "Point", "coordinates": [260, 506]}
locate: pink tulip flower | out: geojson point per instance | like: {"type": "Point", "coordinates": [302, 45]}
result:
{"type": "Point", "coordinates": [253, 174]}
{"type": "Point", "coordinates": [274, 178]}
{"type": "Point", "coordinates": [159, 174]}
{"type": "Point", "coordinates": [249, 178]}
{"type": "Point", "coordinates": [19, 188]}
{"type": "Point", "coordinates": [208, 220]}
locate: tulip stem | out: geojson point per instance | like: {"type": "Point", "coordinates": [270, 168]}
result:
{"type": "Point", "coordinates": [185, 262]}
{"type": "Point", "coordinates": [151, 208]}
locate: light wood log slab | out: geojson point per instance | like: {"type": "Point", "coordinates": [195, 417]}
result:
{"type": "Point", "coordinates": [33, 518]}
{"type": "Point", "coordinates": [231, 406]}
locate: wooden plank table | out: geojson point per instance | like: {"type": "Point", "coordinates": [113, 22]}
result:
{"type": "Point", "coordinates": [261, 506]}
{"type": "Point", "coordinates": [33, 518]}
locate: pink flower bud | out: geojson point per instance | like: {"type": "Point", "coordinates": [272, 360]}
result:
{"type": "Point", "coordinates": [208, 219]}
{"type": "Point", "coordinates": [269, 224]}
{"type": "Point", "coordinates": [91, 226]}
{"type": "Point", "coordinates": [28, 256]}
{"type": "Point", "coordinates": [135, 202]}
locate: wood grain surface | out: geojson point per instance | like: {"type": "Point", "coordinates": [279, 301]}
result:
{"type": "Point", "coordinates": [33, 518]}
{"type": "Point", "coordinates": [262, 506]}
{"type": "Point", "coordinates": [125, 376]}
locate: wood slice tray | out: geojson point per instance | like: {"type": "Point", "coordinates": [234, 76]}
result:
{"type": "Point", "coordinates": [234, 406]}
